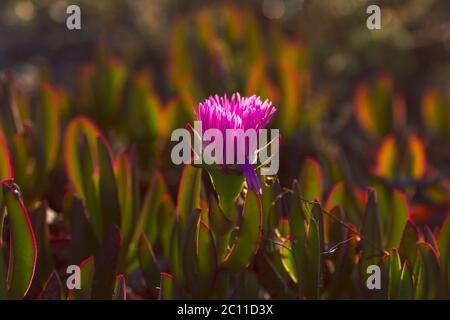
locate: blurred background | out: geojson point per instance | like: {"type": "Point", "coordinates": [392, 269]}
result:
{"type": "Point", "coordinates": [346, 95]}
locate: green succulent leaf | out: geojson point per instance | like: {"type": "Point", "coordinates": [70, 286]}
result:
{"type": "Point", "coordinates": [106, 265]}
{"type": "Point", "coordinates": [444, 250]}
{"type": "Point", "coordinates": [247, 242]}
{"type": "Point", "coordinates": [310, 181]}
{"type": "Point", "coordinates": [428, 273]}
{"type": "Point", "coordinates": [167, 287]}
{"type": "Point", "coordinates": [408, 248]}
{"type": "Point", "coordinates": [23, 252]}
{"type": "Point", "coordinates": [188, 193]}
{"type": "Point", "coordinates": [228, 187]}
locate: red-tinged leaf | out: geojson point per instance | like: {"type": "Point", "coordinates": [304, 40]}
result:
{"type": "Point", "coordinates": [48, 122]}
{"type": "Point", "coordinates": [293, 81]}
{"type": "Point", "coordinates": [188, 193]}
{"type": "Point", "coordinates": [167, 287]}
{"type": "Point", "coordinates": [386, 160]}
{"type": "Point", "coordinates": [443, 240]}
{"type": "Point", "coordinates": [120, 290]}
{"type": "Point", "coordinates": [363, 110]}
{"type": "Point", "coordinates": [78, 128]}
{"type": "Point", "coordinates": [430, 238]}
{"type": "Point", "coordinates": [408, 248]}
{"type": "Point", "coordinates": [106, 265]}
{"type": "Point", "coordinates": [435, 112]}
{"type": "Point", "coordinates": [418, 157]}
{"type": "Point", "coordinates": [23, 249]}
{"type": "Point", "coordinates": [283, 228]}
{"type": "Point", "coordinates": [372, 244]}
{"type": "Point", "coordinates": [378, 109]}
{"type": "Point", "coordinates": [429, 284]}
{"type": "Point", "coordinates": [52, 289]}
{"type": "Point", "coordinates": [6, 167]}
{"type": "Point", "coordinates": [86, 276]}
{"type": "Point", "coordinates": [109, 198]}
{"type": "Point", "coordinates": [149, 266]}
{"type": "Point", "coordinates": [247, 242]}
{"type": "Point", "coordinates": [311, 181]}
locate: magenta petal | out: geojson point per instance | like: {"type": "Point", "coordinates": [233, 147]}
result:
{"type": "Point", "coordinates": [251, 178]}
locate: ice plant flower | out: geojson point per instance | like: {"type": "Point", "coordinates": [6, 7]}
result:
{"type": "Point", "coordinates": [235, 114]}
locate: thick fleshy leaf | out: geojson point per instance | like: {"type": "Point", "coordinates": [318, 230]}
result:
{"type": "Point", "coordinates": [288, 259]}
{"type": "Point", "coordinates": [106, 265]}
{"type": "Point", "coordinates": [48, 122]}
{"type": "Point", "coordinates": [312, 279]}
{"type": "Point", "coordinates": [83, 243]}
{"type": "Point", "coordinates": [149, 266]}
{"type": "Point", "coordinates": [120, 290]}
{"type": "Point", "coordinates": [206, 252]}
{"type": "Point", "coordinates": [247, 242]}
{"type": "Point", "coordinates": [79, 127]}
{"type": "Point", "coordinates": [430, 238]}
{"type": "Point", "coordinates": [372, 244]}
{"type": "Point", "coordinates": [443, 239]}
{"type": "Point", "coordinates": [149, 219]}
{"type": "Point", "coordinates": [187, 275]}
{"type": "Point", "coordinates": [127, 183]}
{"type": "Point", "coordinates": [395, 271]}
{"type": "Point", "coordinates": [351, 202]}
{"type": "Point", "coordinates": [378, 109]}
{"type": "Point", "coordinates": [406, 287]}
{"type": "Point", "coordinates": [394, 211]}
{"type": "Point", "coordinates": [86, 276]}
{"type": "Point", "coordinates": [310, 181]}
{"type": "Point", "coordinates": [167, 287]}
{"type": "Point", "coordinates": [408, 248]}
{"type": "Point", "coordinates": [418, 158]}
{"type": "Point", "coordinates": [428, 274]}
{"type": "Point", "coordinates": [109, 198]}
{"type": "Point", "coordinates": [6, 168]}
{"type": "Point", "coordinates": [387, 158]}
{"type": "Point", "coordinates": [188, 193]}
{"type": "Point", "coordinates": [228, 188]}
{"type": "Point", "coordinates": [23, 252]}
{"type": "Point", "coordinates": [52, 289]}
{"type": "Point", "coordinates": [435, 112]}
